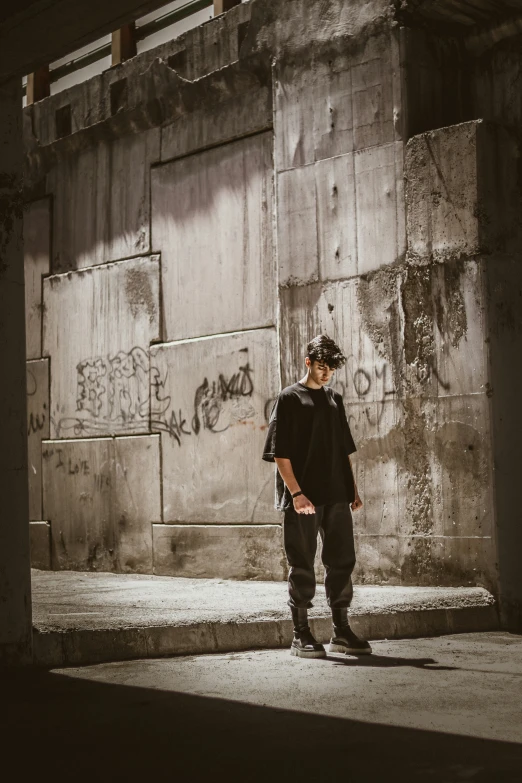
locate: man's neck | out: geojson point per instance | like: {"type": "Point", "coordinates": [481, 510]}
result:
{"type": "Point", "coordinates": [309, 382]}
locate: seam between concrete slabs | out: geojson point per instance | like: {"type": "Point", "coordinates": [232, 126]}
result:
{"type": "Point", "coordinates": [415, 535]}
{"type": "Point", "coordinates": [341, 155]}
{"type": "Point", "coordinates": [103, 265]}
{"type": "Point", "coordinates": [55, 441]}
{"type": "Point", "coordinates": [199, 338]}
{"type": "Point", "coordinates": [214, 145]}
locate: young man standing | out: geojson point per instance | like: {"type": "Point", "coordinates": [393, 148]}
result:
{"type": "Point", "coordinates": [310, 441]}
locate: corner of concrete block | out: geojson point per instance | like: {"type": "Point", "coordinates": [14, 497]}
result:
{"type": "Point", "coordinates": [40, 538]}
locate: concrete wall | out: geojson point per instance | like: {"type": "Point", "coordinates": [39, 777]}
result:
{"type": "Point", "coordinates": [218, 202]}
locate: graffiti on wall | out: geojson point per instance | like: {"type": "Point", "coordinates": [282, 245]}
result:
{"type": "Point", "coordinates": [112, 395]}
{"type": "Point", "coordinates": [375, 383]}
{"type": "Point", "coordinates": [126, 393]}
{"type": "Point", "coordinates": [36, 419]}
{"type": "Point", "coordinates": [216, 405]}
{"type": "Point", "coordinates": [369, 382]}
{"type": "Point", "coordinates": [117, 388]}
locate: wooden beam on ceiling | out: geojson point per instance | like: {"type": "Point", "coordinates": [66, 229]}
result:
{"type": "Point", "coordinates": [220, 6]}
{"type": "Point", "coordinates": [123, 45]}
{"type": "Point", "coordinates": [38, 85]}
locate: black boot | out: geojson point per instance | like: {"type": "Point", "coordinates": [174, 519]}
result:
{"type": "Point", "coordinates": [303, 644]}
{"type": "Point", "coordinates": [344, 639]}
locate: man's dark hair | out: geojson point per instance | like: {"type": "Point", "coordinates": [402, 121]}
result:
{"type": "Point", "coordinates": [323, 349]}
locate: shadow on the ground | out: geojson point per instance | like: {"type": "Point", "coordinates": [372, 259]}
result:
{"type": "Point", "coordinates": [384, 661]}
{"type": "Point", "coordinates": [76, 729]}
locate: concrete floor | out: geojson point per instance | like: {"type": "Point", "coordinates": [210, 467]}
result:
{"type": "Point", "coordinates": [87, 618]}
{"type": "Point", "coordinates": [446, 709]}
{"type": "Point", "coordinates": [70, 600]}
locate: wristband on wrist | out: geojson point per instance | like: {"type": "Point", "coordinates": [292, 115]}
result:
{"type": "Point", "coordinates": [297, 493]}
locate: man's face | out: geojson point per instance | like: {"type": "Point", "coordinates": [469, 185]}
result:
{"type": "Point", "coordinates": [319, 372]}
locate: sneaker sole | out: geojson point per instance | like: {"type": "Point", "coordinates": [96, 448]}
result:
{"type": "Point", "coordinates": [307, 653]}
{"type": "Point", "coordinates": [342, 648]}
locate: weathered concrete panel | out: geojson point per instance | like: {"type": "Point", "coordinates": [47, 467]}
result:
{"type": "Point", "coordinates": [458, 434]}
{"type": "Point", "coordinates": [376, 429]}
{"type": "Point", "coordinates": [220, 551]}
{"type": "Point", "coordinates": [425, 470]}
{"type": "Point", "coordinates": [240, 116]}
{"type": "Point", "coordinates": [460, 362]}
{"type": "Point", "coordinates": [381, 230]}
{"type": "Point", "coordinates": [428, 560]}
{"type": "Point", "coordinates": [443, 215]}
{"type": "Point", "coordinates": [40, 536]}
{"type": "Point", "coordinates": [415, 330]}
{"type": "Point", "coordinates": [444, 328]}
{"type": "Point", "coordinates": [101, 497]}
{"type": "Point", "coordinates": [297, 226]}
{"type": "Point", "coordinates": [101, 205]}
{"type": "Point", "coordinates": [332, 108]}
{"type": "Point", "coordinates": [462, 195]}
{"type": "Point", "coordinates": [37, 249]}
{"type": "Point", "coordinates": [294, 116]}
{"type": "Point", "coordinates": [212, 221]}
{"type": "Point", "coordinates": [372, 94]}
{"type": "Point", "coordinates": [98, 326]}
{"type": "Point", "coordinates": [424, 560]}
{"type": "Point", "coordinates": [212, 421]}
{"type": "Point", "coordinates": [337, 234]}
{"type": "Point", "coordinates": [424, 467]}
{"type": "Point", "coordinates": [347, 210]}
{"type": "Point", "coordinates": [338, 310]}
{"type": "Point", "coordinates": [342, 99]}
{"type": "Point", "coordinates": [37, 429]}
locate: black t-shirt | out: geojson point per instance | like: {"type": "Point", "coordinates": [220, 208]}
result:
{"type": "Point", "coordinates": [309, 427]}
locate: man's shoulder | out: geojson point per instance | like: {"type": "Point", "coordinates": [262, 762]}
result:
{"type": "Point", "coordinates": [337, 396]}
{"type": "Point", "coordinates": [289, 391]}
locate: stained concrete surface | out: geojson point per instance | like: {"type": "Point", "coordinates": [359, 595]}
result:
{"type": "Point", "coordinates": [442, 709]}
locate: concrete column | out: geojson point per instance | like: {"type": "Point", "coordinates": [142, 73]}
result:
{"type": "Point", "coordinates": [464, 202]}
{"type": "Point", "coordinates": [15, 575]}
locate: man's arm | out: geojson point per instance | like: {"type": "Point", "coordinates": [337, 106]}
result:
{"type": "Point", "coordinates": [357, 503]}
{"type": "Point", "coordinates": [301, 503]}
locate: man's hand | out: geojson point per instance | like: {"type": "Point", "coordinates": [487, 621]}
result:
{"type": "Point", "coordinates": [357, 503]}
{"type": "Point", "coordinates": [303, 506]}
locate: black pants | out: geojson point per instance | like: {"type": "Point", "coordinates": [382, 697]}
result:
{"type": "Point", "coordinates": [334, 523]}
